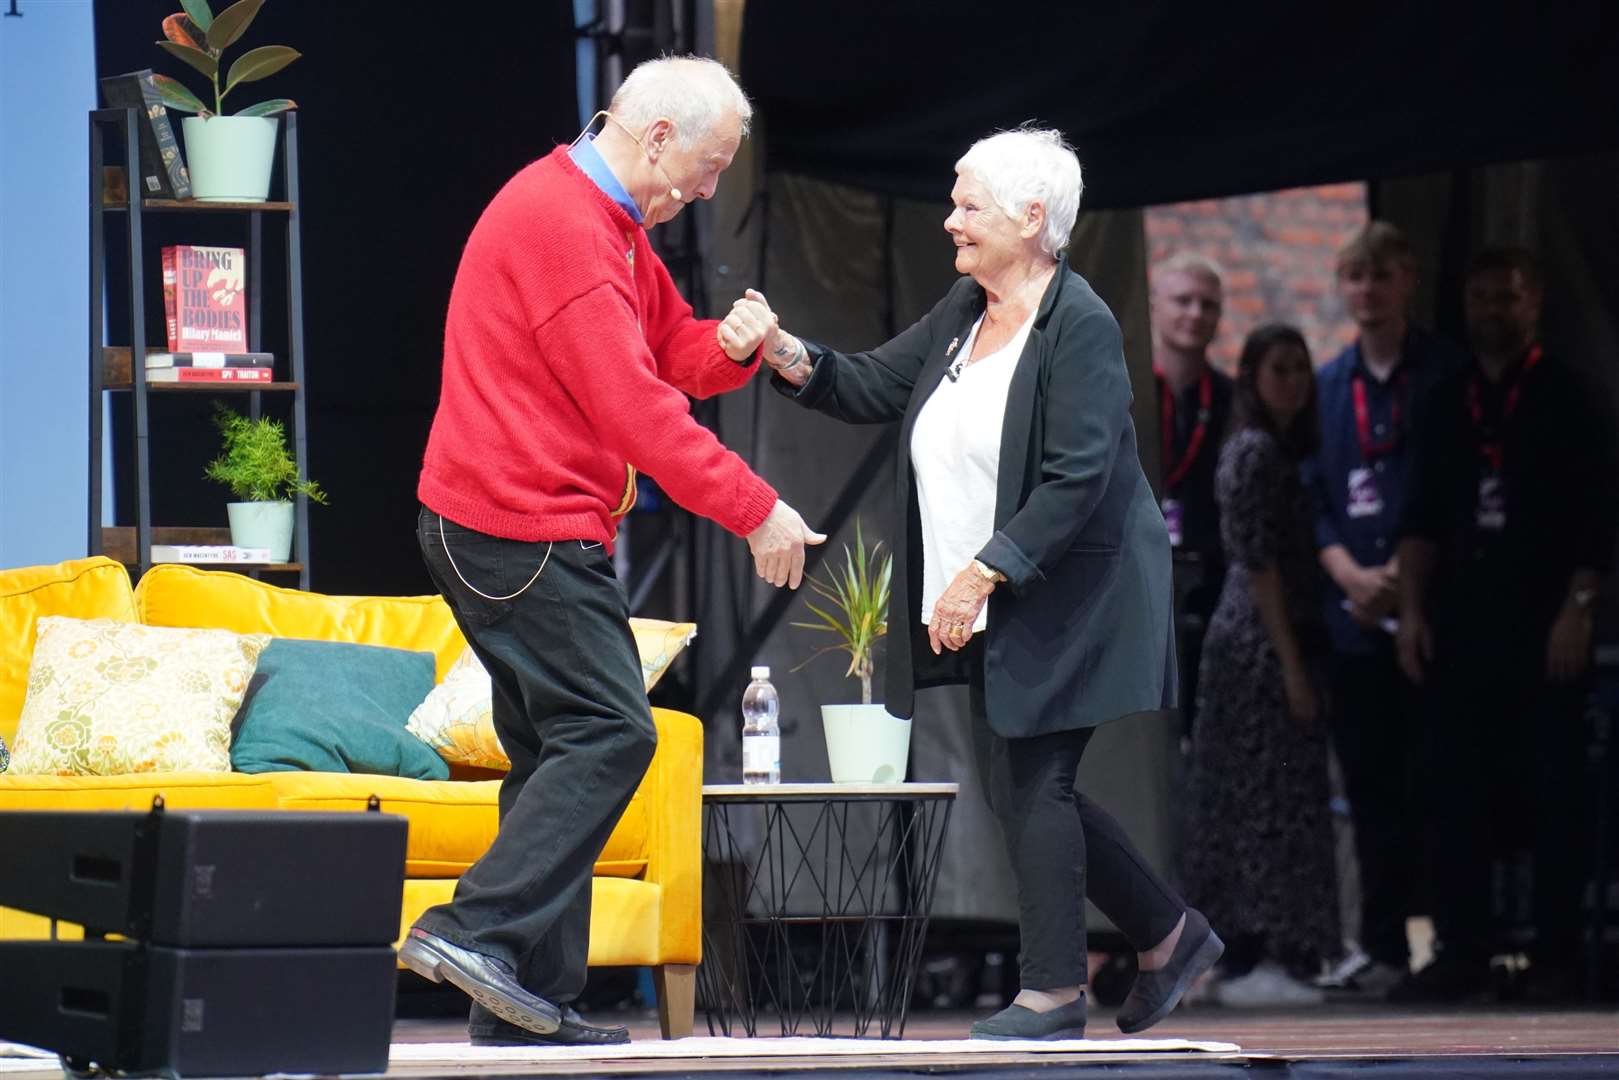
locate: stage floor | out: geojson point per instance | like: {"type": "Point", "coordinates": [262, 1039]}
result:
{"type": "Point", "coordinates": [1326, 1043]}
{"type": "Point", "coordinates": [1322, 1041]}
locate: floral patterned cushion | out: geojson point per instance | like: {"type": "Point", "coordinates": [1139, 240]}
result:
{"type": "Point", "coordinates": [107, 698]}
{"type": "Point", "coordinates": [456, 718]}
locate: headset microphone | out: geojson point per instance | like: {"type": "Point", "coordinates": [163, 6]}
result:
{"type": "Point", "coordinates": [674, 192]}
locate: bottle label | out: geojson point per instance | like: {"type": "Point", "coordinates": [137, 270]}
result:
{"type": "Point", "coordinates": [761, 754]}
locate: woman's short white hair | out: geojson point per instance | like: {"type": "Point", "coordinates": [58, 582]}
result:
{"type": "Point", "coordinates": [693, 91]}
{"type": "Point", "coordinates": [1030, 165]}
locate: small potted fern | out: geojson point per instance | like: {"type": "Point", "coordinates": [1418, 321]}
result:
{"type": "Point", "coordinates": [230, 157]}
{"type": "Point", "coordinates": [260, 471]}
{"type": "Point", "coordinates": [864, 743]}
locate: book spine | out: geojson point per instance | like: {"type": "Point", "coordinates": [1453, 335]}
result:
{"type": "Point", "coordinates": [211, 375]}
{"type": "Point", "coordinates": [177, 179]}
{"type": "Point", "coordinates": [170, 301]}
{"type": "Point", "coordinates": [208, 553]}
{"type": "Point", "coordinates": [210, 360]}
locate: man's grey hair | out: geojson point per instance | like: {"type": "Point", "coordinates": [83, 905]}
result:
{"type": "Point", "coordinates": [1189, 262]}
{"type": "Point", "coordinates": [695, 92]}
{"type": "Point", "coordinates": [1030, 165]}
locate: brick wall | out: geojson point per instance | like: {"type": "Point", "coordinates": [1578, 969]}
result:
{"type": "Point", "coordinates": [1277, 250]}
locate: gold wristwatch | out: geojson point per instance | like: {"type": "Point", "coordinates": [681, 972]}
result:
{"type": "Point", "coordinates": [988, 572]}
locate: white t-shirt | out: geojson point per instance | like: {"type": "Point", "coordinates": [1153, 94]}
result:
{"type": "Point", "coordinates": [956, 457]}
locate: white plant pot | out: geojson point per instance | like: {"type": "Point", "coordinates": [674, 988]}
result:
{"type": "Point", "coordinates": [865, 745]}
{"type": "Point", "coordinates": [262, 525]}
{"type": "Point", "coordinates": [230, 157]}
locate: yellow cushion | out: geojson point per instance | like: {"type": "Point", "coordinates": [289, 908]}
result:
{"type": "Point", "coordinates": [673, 793]}
{"type": "Point", "coordinates": [659, 642]}
{"type": "Point", "coordinates": [94, 588]}
{"type": "Point", "coordinates": [177, 595]}
{"type": "Point", "coordinates": [457, 717]}
{"type": "Point", "coordinates": [26, 926]}
{"type": "Point", "coordinates": [180, 791]}
{"type": "Point", "coordinates": [624, 919]}
{"type": "Point", "coordinates": [452, 822]}
{"type": "Point", "coordinates": [107, 697]}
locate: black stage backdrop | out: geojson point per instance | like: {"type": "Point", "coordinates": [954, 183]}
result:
{"type": "Point", "coordinates": [1170, 100]}
{"type": "Point", "coordinates": [411, 118]}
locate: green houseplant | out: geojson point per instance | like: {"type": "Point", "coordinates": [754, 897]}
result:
{"type": "Point", "coordinates": [229, 157]}
{"type": "Point", "coordinates": [864, 743]}
{"type": "Point", "coordinates": [261, 472]}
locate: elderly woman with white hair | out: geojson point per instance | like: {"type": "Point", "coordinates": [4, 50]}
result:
{"type": "Point", "coordinates": [1035, 564]}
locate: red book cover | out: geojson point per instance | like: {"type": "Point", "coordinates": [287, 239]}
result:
{"type": "Point", "coordinates": [169, 279]}
{"type": "Point", "coordinates": [211, 375]}
{"type": "Point", "coordinates": [210, 299]}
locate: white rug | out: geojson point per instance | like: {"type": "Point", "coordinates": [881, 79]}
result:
{"type": "Point", "coordinates": [708, 1047]}
{"type": "Point", "coordinates": [15, 1057]}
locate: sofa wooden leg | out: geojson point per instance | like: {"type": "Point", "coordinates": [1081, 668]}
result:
{"type": "Point", "coordinates": [676, 985]}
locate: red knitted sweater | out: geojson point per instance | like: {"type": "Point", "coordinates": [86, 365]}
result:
{"type": "Point", "coordinates": [567, 355]}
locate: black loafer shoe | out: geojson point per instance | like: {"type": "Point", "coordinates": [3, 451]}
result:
{"type": "Point", "coordinates": [1156, 993]}
{"type": "Point", "coordinates": [483, 978]}
{"type": "Point", "coordinates": [1016, 1022]}
{"type": "Point", "coordinates": [573, 1032]}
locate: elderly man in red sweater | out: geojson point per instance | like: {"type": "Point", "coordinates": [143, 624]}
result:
{"type": "Point", "coordinates": [568, 355]}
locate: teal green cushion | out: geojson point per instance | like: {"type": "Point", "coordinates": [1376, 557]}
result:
{"type": "Point", "coordinates": [328, 706]}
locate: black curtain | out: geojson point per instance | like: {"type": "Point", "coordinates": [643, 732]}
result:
{"type": "Point", "coordinates": [410, 120]}
{"type": "Point", "coordinates": [1169, 101]}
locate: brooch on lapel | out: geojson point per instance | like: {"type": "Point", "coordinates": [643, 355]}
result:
{"type": "Point", "coordinates": [952, 347]}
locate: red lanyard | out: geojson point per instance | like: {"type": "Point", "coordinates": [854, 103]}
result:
{"type": "Point", "coordinates": [1166, 422]}
{"type": "Point", "coordinates": [1492, 438]}
{"type": "Point", "coordinates": [1363, 422]}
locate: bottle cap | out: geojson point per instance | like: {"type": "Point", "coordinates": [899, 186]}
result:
{"type": "Point", "coordinates": [761, 673]}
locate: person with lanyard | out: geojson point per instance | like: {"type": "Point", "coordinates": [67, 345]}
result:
{"type": "Point", "coordinates": [1194, 410]}
{"type": "Point", "coordinates": [568, 355]}
{"type": "Point", "coordinates": [1510, 528]}
{"type": "Point", "coordinates": [1372, 397]}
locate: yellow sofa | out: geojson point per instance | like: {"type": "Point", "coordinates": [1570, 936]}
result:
{"type": "Point", "coordinates": [646, 898]}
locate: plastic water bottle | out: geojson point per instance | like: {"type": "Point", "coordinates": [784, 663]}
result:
{"type": "Point", "coordinates": [761, 735]}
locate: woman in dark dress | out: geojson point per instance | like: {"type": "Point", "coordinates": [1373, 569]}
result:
{"type": "Point", "coordinates": [1262, 866]}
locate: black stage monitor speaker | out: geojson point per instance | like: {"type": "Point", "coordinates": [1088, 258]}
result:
{"type": "Point", "coordinates": [210, 877]}
{"type": "Point", "coordinates": [134, 1008]}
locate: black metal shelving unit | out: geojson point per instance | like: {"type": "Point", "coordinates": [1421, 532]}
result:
{"type": "Point", "coordinates": [116, 369]}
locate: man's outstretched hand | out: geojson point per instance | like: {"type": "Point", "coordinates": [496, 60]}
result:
{"type": "Point", "coordinates": [778, 546]}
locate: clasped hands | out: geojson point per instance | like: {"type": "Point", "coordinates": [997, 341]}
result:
{"type": "Point", "coordinates": [751, 324]}
{"type": "Point", "coordinates": [778, 543]}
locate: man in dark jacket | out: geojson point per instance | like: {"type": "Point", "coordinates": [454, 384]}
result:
{"type": "Point", "coordinates": [1509, 530]}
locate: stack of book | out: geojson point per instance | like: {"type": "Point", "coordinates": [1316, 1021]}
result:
{"type": "Point", "coordinates": [210, 367]}
{"type": "Point", "coordinates": [205, 306]}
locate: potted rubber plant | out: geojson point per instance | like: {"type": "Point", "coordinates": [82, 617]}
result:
{"type": "Point", "coordinates": [864, 743]}
{"type": "Point", "coordinates": [230, 157]}
{"type": "Point", "coordinates": [261, 472]}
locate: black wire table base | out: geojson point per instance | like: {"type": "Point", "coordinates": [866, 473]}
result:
{"type": "Point", "coordinates": [817, 898]}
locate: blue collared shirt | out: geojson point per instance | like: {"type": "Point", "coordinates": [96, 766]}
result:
{"type": "Point", "coordinates": [1357, 495]}
{"type": "Point", "coordinates": [593, 165]}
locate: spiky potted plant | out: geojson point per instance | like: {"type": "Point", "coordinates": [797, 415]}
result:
{"type": "Point", "coordinates": [864, 743]}
{"type": "Point", "coordinates": [261, 472]}
{"type": "Point", "coordinates": [229, 157]}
